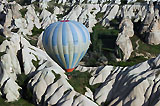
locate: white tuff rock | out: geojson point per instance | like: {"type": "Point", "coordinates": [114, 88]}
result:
{"type": "Point", "coordinates": [10, 67]}
{"type": "Point", "coordinates": [123, 40]}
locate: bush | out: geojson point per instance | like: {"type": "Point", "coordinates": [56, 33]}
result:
{"type": "Point", "coordinates": [123, 2]}
{"type": "Point", "coordinates": [83, 81]}
{"type": "Point", "coordinates": [36, 62]}
{"type": "Point", "coordinates": [51, 6]}
{"type": "Point", "coordinates": [2, 38]}
{"type": "Point", "coordinates": [96, 43]}
{"type": "Point", "coordinates": [26, 93]}
{"type": "Point", "coordinates": [91, 62]}
{"type": "Point", "coordinates": [81, 77]}
{"type": "Point", "coordinates": [119, 53]}
{"type": "Point", "coordinates": [20, 102]}
{"type": "Point", "coordinates": [57, 76]}
{"type": "Point", "coordinates": [33, 39]}
{"type": "Point", "coordinates": [103, 37]}
{"type": "Point", "coordinates": [37, 7]}
{"type": "Point", "coordinates": [99, 15]}
{"type": "Point", "coordinates": [23, 12]}
{"type": "Point", "coordinates": [36, 31]}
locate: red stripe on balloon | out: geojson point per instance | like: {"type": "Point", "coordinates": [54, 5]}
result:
{"type": "Point", "coordinates": [64, 21]}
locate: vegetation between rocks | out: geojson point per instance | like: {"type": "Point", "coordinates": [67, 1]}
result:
{"type": "Point", "coordinates": [80, 80]}
{"type": "Point", "coordinates": [20, 102]}
{"type": "Point", "coordinates": [132, 61]}
{"type": "Point", "coordinates": [26, 93]}
{"type": "Point", "coordinates": [23, 12]}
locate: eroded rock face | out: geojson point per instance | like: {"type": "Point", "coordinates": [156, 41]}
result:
{"type": "Point", "coordinates": [87, 17]}
{"type": "Point", "coordinates": [39, 43]}
{"type": "Point", "coordinates": [8, 18]}
{"type": "Point", "coordinates": [32, 18]}
{"type": "Point", "coordinates": [154, 30]}
{"type": "Point", "coordinates": [15, 7]}
{"type": "Point", "coordinates": [110, 14]}
{"type": "Point", "coordinates": [125, 45]}
{"type": "Point", "coordinates": [148, 18]}
{"type": "Point", "coordinates": [118, 85]}
{"type": "Point", "coordinates": [53, 86]}
{"type": "Point", "coordinates": [127, 26]}
{"type": "Point", "coordinates": [154, 37]}
{"type": "Point", "coordinates": [10, 67]}
{"type": "Point", "coordinates": [1, 7]}
{"type": "Point", "coordinates": [9, 12]}
{"type": "Point", "coordinates": [134, 12]}
{"type": "Point", "coordinates": [123, 40]}
{"type": "Point", "coordinates": [74, 14]}
{"type": "Point", "coordinates": [136, 85]}
{"type": "Point", "coordinates": [47, 18]}
{"type": "Point", "coordinates": [71, 98]}
{"type": "Point", "coordinates": [21, 23]}
{"type": "Point", "coordinates": [84, 13]}
{"type": "Point", "coordinates": [150, 28]}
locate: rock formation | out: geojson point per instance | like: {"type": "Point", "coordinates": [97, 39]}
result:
{"type": "Point", "coordinates": [110, 14]}
{"type": "Point", "coordinates": [154, 30]}
{"type": "Point", "coordinates": [148, 18]}
{"type": "Point", "coordinates": [123, 86]}
{"type": "Point", "coordinates": [10, 68]}
{"type": "Point", "coordinates": [123, 40]}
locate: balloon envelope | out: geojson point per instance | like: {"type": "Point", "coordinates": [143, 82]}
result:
{"type": "Point", "coordinates": [66, 42]}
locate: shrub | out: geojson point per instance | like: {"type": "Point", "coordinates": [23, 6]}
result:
{"type": "Point", "coordinates": [23, 12]}
{"type": "Point", "coordinates": [26, 93]}
{"type": "Point", "coordinates": [37, 8]}
{"type": "Point", "coordinates": [103, 37]}
{"type": "Point", "coordinates": [99, 15]}
{"type": "Point", "coordinates": [36, 62]}
{"type": "Point", "coordinates": [57, 76]}
{"type": "Point", "coordinates": [91, 62]}
{"type": "Point", "coordinates": [82, 78]}
{"type": "Point", "coordinates": [2, 38]}
{"type": "Point", "coordinates": [123, 2]}
{"type": "Point", "coordinates": [33, 39]}
{"type": "Point", "coordinates": [20, 102]}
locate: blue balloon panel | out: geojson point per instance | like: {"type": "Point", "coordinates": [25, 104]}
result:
{"type": "Point", "coordinates": [66, 42]}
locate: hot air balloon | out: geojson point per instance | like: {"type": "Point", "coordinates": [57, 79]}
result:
{"type": "Point", "coordinates": [66, 42]}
